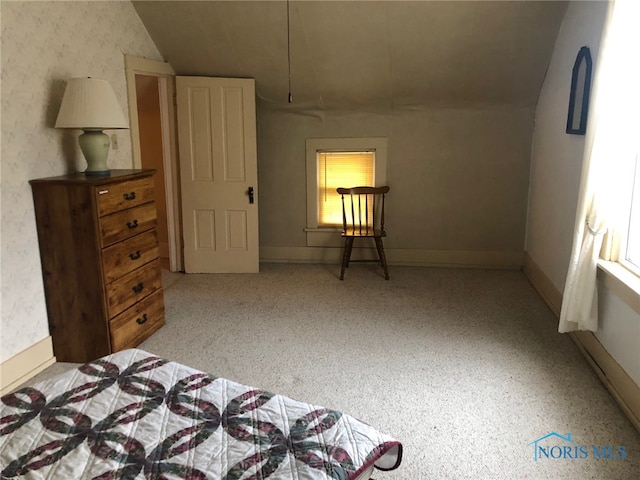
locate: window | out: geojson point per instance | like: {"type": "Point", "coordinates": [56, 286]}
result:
{"type": "Point", "coordinates": [341, 169]}
{"type": "Point", "coordinates": [333, 163]}
{"type": "Point", "coordinates": [629, 254]}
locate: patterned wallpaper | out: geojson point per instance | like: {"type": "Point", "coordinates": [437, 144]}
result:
{"type": "Point", "coordinates": [44, 44]}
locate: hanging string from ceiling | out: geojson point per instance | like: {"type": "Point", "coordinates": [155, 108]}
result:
{"type": "Point", "coordinates": [289, 52]}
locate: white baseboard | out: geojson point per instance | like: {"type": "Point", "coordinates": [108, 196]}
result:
{"type": "Point", "coordinates": [26, 364]}
{"type": "Point", "coordinates": [621, 386]}
{"type": "Point", "coordinates": [543, 285]}
{"type": "Point", "coordinates": [397, 256]}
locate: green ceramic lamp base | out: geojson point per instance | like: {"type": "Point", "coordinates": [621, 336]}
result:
{"type": "Point", "coordinates": [95, 148]}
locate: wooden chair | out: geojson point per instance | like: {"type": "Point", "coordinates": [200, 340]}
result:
{"type": "Point", "coordinates": [363, 217]}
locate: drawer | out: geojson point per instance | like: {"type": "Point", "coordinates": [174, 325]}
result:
{"type": "Point", "coordinates": [122, 225]}
{"type": "Point", "coordinates": [117, 197]}
{"type": "Point", "coordinates": [133, 287]}
{"type": "Point", "coordinates": [126, 256]}
{"type": "Point", "coordinates": [136, 324]}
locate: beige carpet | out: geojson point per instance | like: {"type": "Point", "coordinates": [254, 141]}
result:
{"type": "Point", "coordinates": [465, 367]}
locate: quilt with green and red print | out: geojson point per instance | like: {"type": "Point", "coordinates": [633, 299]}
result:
{"type": "Point", "coordinates": [134, 415]}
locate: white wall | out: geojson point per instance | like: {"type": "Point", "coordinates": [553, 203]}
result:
{"type": "Point", "coordinates": [555, 177]}
{"type": "Point", "coordinates": [619, 331]}
{"type": "Point", "coordinates": [44, 44]}
{"type": "Point", "coordinates": [458, 177]}
{"type": "Point", "coordinates": [556, 161]}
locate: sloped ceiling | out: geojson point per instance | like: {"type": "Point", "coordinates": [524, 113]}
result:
{"type": "Point", "coordinates": [364, 55]}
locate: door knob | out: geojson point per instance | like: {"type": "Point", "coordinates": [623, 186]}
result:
{"type": "Point", "coordinates": [250, 192]}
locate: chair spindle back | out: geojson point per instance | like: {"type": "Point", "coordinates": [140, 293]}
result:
{"type": "Point", "coordinates": [363, 210]}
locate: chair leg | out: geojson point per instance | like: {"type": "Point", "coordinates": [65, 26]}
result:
{"type": "Point", "coordinates": [346, 256]}
{"type": "Point", "coordinates": [383, 258]}
{"type": "Point", "coordinates": [350, 243]}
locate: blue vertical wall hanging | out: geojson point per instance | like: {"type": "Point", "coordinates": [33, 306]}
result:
{"type": "Point", "coordinates": [579, 96]}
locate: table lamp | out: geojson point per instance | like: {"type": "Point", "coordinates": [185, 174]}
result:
{"type": "Point", "coordinates": [90, 104]}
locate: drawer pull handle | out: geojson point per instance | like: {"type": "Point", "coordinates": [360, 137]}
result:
{"type": "Point", "coordinates": [133, 224]}
{"type": "Point", "coordinates": [130, 196]}
{"type": "Point", "coordinates": [137, 288]}
{"type": "Point", "coordinates": [140, 321]}
{"type": "Point", "coordinates": [135, 256]}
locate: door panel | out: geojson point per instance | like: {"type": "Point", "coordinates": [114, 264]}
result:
{"type": "Point", "coordinates": [205, 226]}
{"type": "Point", "coordinates": [217, 139]}
{"type": "Point", "coordinates": [237, 230]}
{"type": "Point", "coordinates": [234, 128]}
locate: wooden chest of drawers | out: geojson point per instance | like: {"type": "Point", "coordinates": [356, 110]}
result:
{"type": "Point", "coordinates": [99, 254]}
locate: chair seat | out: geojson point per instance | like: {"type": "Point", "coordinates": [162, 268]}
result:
{"type": "Point", "coordinates": [363, 233]}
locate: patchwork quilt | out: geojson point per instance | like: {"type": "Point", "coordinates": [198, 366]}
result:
{"type": "Point", "coordinates": [134, 415]}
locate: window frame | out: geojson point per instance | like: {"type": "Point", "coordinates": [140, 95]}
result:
{"type": "Point", "coordinates": [623, 231]}
{"type": "Point", "coordinates": [327, 236]}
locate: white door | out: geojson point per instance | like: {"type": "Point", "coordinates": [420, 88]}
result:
{"type": "Point", "coordinates": [219, 174]}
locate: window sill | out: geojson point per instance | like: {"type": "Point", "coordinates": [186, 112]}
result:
{"type": "Point", "coordinates": [323, 229]}
{"type": "Point", "coordinates": [621, 281]}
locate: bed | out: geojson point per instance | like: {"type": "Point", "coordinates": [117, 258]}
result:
{"type": "Point", "coordinates": [135, 415]}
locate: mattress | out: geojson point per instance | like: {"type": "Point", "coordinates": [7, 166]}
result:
{"type": "Point", "coordinates": [135, 415]}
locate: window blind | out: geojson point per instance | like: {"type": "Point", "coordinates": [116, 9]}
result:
{"type": "Point", "coordinates": [341, 169]}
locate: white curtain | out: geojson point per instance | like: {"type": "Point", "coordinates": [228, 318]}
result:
{"type": "Point", "coordinates": [609, 142]}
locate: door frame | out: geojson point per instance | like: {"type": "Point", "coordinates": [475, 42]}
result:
{"type": "Point", "coordinates": [166, 82]}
